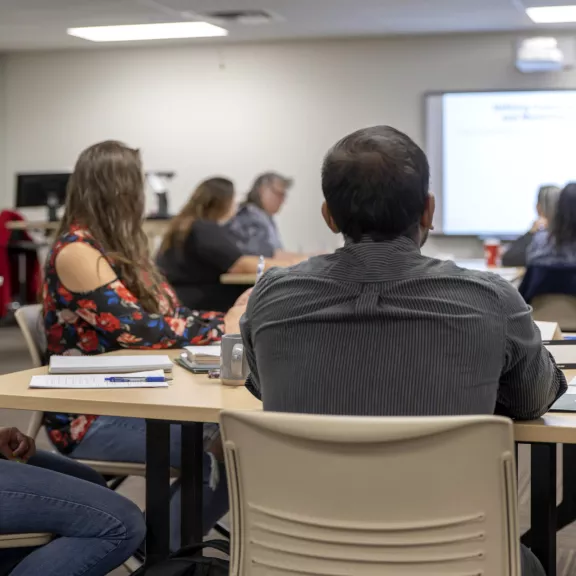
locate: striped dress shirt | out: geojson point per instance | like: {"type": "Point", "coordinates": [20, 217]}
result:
{"type": "Point", "coordinates": [379, 329]}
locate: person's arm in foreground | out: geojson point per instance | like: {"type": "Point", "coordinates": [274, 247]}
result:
{"type": "Point", "coordinates": [95, 294]}
{"type": "Point", "coordinates": [530, 382]}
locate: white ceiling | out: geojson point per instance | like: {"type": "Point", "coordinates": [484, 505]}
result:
{"type": "Point", "coordinates": [41, 24]}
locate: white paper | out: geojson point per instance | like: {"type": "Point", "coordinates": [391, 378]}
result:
{"type": "Point", "coordinates": [212, 351]}
{"type": "Point", "coordinates": [81, 381]}
{"type": "Point", "coordinates": [563, 353]}
{"type": "Point", "coordinates": [547, 329]}
{"type": "Point", "coordinates": [104, 364]}
{"type": "Point", "coordinates": [572, 382]}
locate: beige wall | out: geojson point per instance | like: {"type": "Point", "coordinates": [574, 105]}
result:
{"type": "Point", "coordinates": [237, 110]}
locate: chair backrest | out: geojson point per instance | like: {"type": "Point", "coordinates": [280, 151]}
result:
{"type": "Point", "coordinates": [556, 308]}
{"type": "Point", "coordinates": [29, 320]}
{"type": "Point", "coordinates": [371, 496]}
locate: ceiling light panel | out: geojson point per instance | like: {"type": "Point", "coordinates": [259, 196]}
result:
{"type": "Point", "coordinates": [552, 14]}
{"type": "Point", "coordinates": [139, 32]}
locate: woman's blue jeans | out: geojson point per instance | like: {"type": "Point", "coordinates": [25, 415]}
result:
{"type": "Point", "coordinates": [120, 439]}
{"type": "Point", "coordinates": [95, 529]}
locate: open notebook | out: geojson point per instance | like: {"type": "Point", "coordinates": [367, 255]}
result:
{"type": "Point", "coordinates": [108, 364]}
{"type": "Point", "coordinates": [79, 381]}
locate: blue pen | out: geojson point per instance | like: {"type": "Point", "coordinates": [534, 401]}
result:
{"type": "Point", "coordinates": [137, 379]}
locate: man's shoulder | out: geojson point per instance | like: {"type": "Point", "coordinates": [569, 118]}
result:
{"type": "Point", "coordinates": [483, 279]}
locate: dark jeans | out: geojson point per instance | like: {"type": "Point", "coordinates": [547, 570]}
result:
{"type": "Point", "coordinates": [120, 439]}
{"type": "Point", "coordinates": [96, 529]}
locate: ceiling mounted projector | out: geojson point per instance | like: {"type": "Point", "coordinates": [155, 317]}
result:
{"type": "Point", "coordinates": [543, 54]}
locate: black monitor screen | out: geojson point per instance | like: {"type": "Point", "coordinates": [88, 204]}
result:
{"type": "Point", "coordinates": [36, 189]}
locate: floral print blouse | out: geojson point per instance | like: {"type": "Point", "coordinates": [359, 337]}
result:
{"type": "Point", "coordinates": [107, 319]}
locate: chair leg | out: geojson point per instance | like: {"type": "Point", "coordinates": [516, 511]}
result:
{"type": "Point", "coordinates": [114, 482]}
{"type": "Point", "coordinates": [566, 512]}
{"type": "Point", "coordinates": [222, 531]}
{"type": "Point", "coordinates": [567, 509]}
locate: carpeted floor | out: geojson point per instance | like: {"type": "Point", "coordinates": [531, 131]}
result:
{"type": "Point", "coordinates": [14, 357]}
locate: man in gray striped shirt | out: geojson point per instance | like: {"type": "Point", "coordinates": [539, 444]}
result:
{"type": "Point", "coordinates": [379, 329]}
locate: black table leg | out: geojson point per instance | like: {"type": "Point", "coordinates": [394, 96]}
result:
{"type": "Point", "coordinates": [192, 482]}
{"type": "Point", "coordinates": [543, 497]}
{"type": "Point", "coordinates": [567, 509]}
{"type": "Point", "coordinates": [157, 491]}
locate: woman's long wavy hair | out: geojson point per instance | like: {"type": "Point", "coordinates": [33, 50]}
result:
{"type": "Point", "coordinates": [210, 201]}
{"type": "Point", "coordinates": [105, 196]}
{"type": "Point", "coordinates": [563, 225]}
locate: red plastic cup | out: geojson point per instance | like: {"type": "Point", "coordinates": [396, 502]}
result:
{"type": "Point", "coordinates": [492, 252]}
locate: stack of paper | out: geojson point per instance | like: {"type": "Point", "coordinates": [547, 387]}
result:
{"type": "Point", "coordinates": [204, 356]}
{"type": "Point", "coordinates": [549, 330]}
{"type": "Point", "coordinates": [108, 364]}
{"type": "Point", "coordinates": [79, 381]}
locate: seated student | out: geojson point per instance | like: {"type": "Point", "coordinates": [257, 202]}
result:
{"type": "Point", "coordinates": [102, 293]}
{"type": "Point", "coordinates": [515, 254]}
{"type": "Point", "coordinates": [95, 529]}
{"type": "Point", "coordinates": [381, 329]}
{"type": "Point", "coordinates": [254, 225]}
{"type": "Point", "coordinates": [198, 249]}
{"type": "Point", "coordinates": [557, 245]}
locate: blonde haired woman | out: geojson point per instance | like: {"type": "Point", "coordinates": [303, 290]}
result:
{"type": "Point", "coordinates": [102, 293]}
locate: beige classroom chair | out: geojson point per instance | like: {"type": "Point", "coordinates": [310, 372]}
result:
{"type": "Point", "coordinates": [559, 308]}
{"type": "Point", "coordinates": [23, 540]}
{"type": "Point", "coordinates": [29, 321]}
{"type": "Point", "coordinates": [371, 496]}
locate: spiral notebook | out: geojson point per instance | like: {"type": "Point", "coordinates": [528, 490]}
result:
{"type": "Point", "coordinates": [81, 381]}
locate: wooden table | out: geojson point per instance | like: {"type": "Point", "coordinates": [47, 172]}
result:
{"type": "Point", "coordinates": [238, 279]}
{"type": "Point", "coordinates": [511, 274]}
{"type": "Point", "coordinates": [154, 228]}
{"type": "Point", "coordinates": [546, 518]}
{"type": "Point", "coordinates": [192, 399]}
{"type": "Point", "coordinates": [189, 400]}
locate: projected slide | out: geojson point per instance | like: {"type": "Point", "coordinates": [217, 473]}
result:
{"type": "Point", "coordinates": [498, 149]}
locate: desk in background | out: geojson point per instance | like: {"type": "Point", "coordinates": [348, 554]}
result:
{"type": "Point", "coordinates": [238, 279]}
{"type": "Point", "coordinates": [511, 274]}
{"type": "Point", "coordinates": [154, 228]}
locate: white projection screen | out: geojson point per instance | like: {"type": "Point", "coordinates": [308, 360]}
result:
{"type": "Point", "coordinates": [489, 153]}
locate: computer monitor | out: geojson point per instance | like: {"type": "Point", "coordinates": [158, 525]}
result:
{"type": "Point", "coordinates": [42, 189]}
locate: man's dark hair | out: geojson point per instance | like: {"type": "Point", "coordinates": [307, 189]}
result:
{"type": "Point", "coordinates": [375, 182]}
{"type": "Point", "coordinates": [563, 225]}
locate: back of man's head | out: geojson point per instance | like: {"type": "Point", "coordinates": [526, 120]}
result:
{"type": "Point", "coordinates": [375, 183]}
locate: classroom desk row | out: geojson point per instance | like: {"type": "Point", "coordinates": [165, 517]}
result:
{"type": "Point", "coordinates": [192, 399]}
{"type": "Point", "coordinates": [153, 228]}
{"type": "Point", "coordinates": [511, 274]}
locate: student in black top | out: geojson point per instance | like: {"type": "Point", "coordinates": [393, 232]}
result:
{"type": "Point", "coordinates": [548, 196]}
{"type": "Point", "coordinates": [198, 249]}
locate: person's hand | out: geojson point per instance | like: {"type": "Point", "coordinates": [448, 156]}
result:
{"type": "Point", "coordinates": [540, 224]}
{"type": "Point", "coordinates": [232, 319]}
{"type": "Point", "coordinates": [14, 445]}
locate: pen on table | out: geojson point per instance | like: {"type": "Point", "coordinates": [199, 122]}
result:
{"type": "Point", "coordinates": [260, 269]}
{"type": "Point", "coordinates": [136, 379]}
